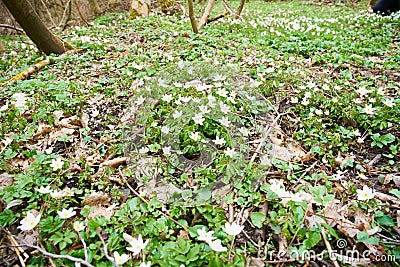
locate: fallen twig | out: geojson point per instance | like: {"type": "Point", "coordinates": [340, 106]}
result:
{"type": "Point", "coordinates": [329, 248]}
{"type": "Point", "coordinates": [105, 249]}
{"type": "Point", "coordinates": [48, 254]}
{"type": "Point", "coordinates": [374, 160]}
{"type": "Point", "coordinates": [17, 249]}
{"type": "Point", "coordinates": [265, 137]}
{"type": "Point", "coordinates": [35, 68]}
{"type": "Point", "coordinates": [145, 201]}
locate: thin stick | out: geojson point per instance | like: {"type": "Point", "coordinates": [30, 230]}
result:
{"type": "Point", "coordinates": [12, 28]}
{"type": "Point", "coordinates": [16, 249]}
{"type": "Point", "coordinates": [50, 259]}
{"type": "Point", "coordinates": [48, 12]}
{"type": "Point", "coordinates": [80, 13]}
{"type": "Point", "coordinates": [145, 201]}
{"type": "Point", "coordinates": [105, 249]}
{"type": "Point", "coordinates": [251, 240]}
{"type": "Point", "coordinates": [206, 14]}
{"type": "Point", "coordinates": [84, 246]}
{"type": "Point", "coordinates": [64, 14]}
{"type": "Point", "coordinates": [228, 8]}
{"type": "Point", "coordinates": [264, 139]}
{"type": "Point", "coordinates": [48, 254]}
{"type": "Point", "coordinates": [220, 16]}
{"type": "Point", "coordinates": [240, 9]}
{"type": "Point", "coordinates": [328, 246]}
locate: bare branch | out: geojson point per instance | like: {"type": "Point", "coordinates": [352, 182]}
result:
{"type": "Point", "coordinates": [220, 16]}
{"type": "Point", "coordinates": [228, 8]}
{"type": "Point", "coordinates": [12, 28]}
{"type": "Point", "coordinates": [48, 254]}
{"type": "Point", "coordinates": [206, 14]}
{"type": "Point", "coordinates": [240, 9]}
{"type": "Point", "coordinates": [105, 249]}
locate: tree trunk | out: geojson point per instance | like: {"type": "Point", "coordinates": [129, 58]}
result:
{"type": "Point", "coordinates": [240, 8]}
{"type": "Point", "coordinates": [95, 7]}
{"type": "Point", "coordinates": [206, 14]}
{"type": "Point", "coordinates": [192, 17]}
{"type": "Point", "coordinates": [30, 22]}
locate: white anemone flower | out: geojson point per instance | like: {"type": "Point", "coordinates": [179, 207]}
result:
{"type": "Point", "coordinates": [29, 222]}
{"type": "Point", "coordinates": [233, 228]}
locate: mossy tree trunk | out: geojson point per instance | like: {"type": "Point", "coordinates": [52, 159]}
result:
{"type": "Point", "coordinates": [30, 22]}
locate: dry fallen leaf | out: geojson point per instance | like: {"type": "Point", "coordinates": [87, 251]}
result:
{"type": "Point", "coordinates": [99, 210]}
{"type": "Point", "coordinates": [6, 179]}
{"type": "Point", "coordinates": [396, 180]}
{"type": "Point", "coordinates": [85, 120]}
{"type": "Point", "coordinates": [314, 220]}
{"type": "Point", "coordinates": [298, 153]}
{"type": "Point", "coordinates": [72, 122]}
{"type": "Point", "coordinates": [184, 234]}
{"type": "Point", "coordinates": [13, 203]}
{"type": "Point", "coordinates": [113, 163]}
{"type": "Point", "coordinates": [97, 198]}
{"type": "Point", "coordinates": [220, 189]}
{"type": "Point", "coordinates": [256, 262]}
{"type": "Point", "coordinates": [387, 198]}
{"type": "Point", "coordinates": [43, 129]}
{"type": "Point", "coordinates": [163, 191]}
{"type": "Point", "coordinates": [281, 153]}
{"type": "Point", "coordinates": [333, 213]}
{"type": "Point", "coordinates": [64, 131]}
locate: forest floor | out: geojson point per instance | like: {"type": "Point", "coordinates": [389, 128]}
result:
{"type": "Point", "coordinates": [269, 140]}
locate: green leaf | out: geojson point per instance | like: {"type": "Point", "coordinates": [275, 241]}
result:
{"type": "Point", "coordinates": [364, 237]}
{"type": "Point", "coordinates": [154, 147]}
{"type": "Point", "coordinates": [312, 239]}
{"type": "Point", "coordinates": [395, 192]}
{"type": "Point", "coordinates": [62, 245]}
{"type": "Point", "coordinates": [203, 194]}
{"type": "Point", "coordinates": [180, 258]}
{"type": "Point", "coordinates": [276, 228]}
{"type": "Point", "coordinates": [6, 217]}
{"type": "Point", "coordinates": [9, 154]}
{"type": "Point", "coordinates": [86, 210]}
{"type": "Point", "coordinates": [186, 194]}
{"type": "Point", "coordinates": [183, 245]}
{"type": "Point", "coordinates": [257, 218]}
{"type": "Point", "coordinates": [385, 220]}
{"type": "Point", "coordinates": [154, 204]}
{"type": "Point", "coordinates": [57, 238]}
{"type": "Point", "coordinates": [193, 253]}
{"type": "Point", "coordinates": [51, 224]}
